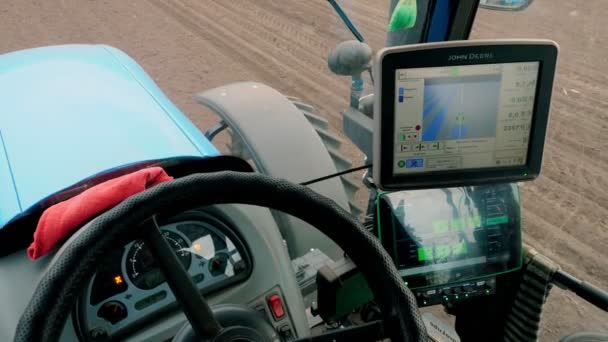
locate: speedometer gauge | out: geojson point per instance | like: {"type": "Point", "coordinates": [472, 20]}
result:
{"type": "Point", "coordinates": [142, 268]}
{"type": "Point", "coordinates": [129, 289]}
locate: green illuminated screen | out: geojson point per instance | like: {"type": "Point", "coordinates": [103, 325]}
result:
{"type": "Point", "coordinates": [442, 251]}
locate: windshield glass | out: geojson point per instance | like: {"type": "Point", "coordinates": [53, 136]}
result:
{"type": "Point", "coordinates": [566, 209]}
{"type": "Point", "coordinates": [188, 46]}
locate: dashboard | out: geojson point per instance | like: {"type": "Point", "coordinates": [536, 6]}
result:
{"type": "Point", "coordinates": [128, 289]}
{"type": "Point", "coordinates": [268, 274]}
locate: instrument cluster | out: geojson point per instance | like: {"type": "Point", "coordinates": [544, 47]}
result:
{"type": "Point", "coordinates": [129, 288]}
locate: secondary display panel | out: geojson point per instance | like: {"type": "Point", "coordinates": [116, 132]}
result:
{"type": "Point", "coordinates": [437, 237]}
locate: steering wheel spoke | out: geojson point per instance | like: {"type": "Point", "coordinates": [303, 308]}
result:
{"type": "Point", "coordinates": [193, 304]}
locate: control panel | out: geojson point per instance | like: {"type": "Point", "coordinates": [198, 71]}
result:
{"type": "Point", "coordinates": [449, 244]}
{"type": "Point", "coordinates": [272, 306]}
{"type": "Point", "coordinates": [456, 292]}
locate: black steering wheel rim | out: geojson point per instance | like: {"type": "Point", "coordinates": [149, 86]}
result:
{"type": "Point", "coordinates": [61, 284]}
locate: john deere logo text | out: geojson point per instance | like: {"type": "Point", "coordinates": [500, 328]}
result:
{"type": "Point", "coordinates": [471, 56]}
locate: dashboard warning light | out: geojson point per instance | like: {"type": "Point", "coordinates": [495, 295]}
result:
{"type": "Point", "coordinates": [197, 247]}
{"type": "Point", "coordinates": [118, 280]}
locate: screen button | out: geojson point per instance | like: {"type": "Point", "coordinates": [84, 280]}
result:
{"type": "Point", "coordinates": [414, 163]}
{"type": "Point", "coordinates": [406, 148]}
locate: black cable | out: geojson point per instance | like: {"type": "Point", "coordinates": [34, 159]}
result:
{"type": "Point", "coordinates": [371, 75]}
{"type": "Point", "coordinates": [362, 167]}
{"type": "Point", "coordinates": [349, 24]}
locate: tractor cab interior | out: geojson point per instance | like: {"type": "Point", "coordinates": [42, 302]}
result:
{"type": "Point", "coordinates": [220, 249]}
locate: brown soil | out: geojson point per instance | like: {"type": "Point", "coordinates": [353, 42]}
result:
{"type": "Point", "coordinates": [191, 45]}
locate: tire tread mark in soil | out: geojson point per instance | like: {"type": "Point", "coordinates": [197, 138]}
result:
{"type": "Point", "coordinates": [291, 49]}
{"type": "Point", "coordinates": [569, 214]}
{"type": "Point", "coordinates": [320, 12]}
{"type": "Point", "coordinates": [254, 57]}
{"type": "Point", "coordinates": [572, 254]}
{"type": "Point", "coordinates": [278, 24]}
{"type": "Point", "coordinates": [587, 182]}
{"type": "Point", "coordinates": [184, 19]}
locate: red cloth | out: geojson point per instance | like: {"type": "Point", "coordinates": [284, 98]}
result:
{"type": "Point", "coordinates": [62, 219]}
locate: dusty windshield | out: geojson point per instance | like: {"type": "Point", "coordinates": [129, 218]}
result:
{"type": "Point", "coordinates": [565, 210]}
{"type": "Point", "coordinates": [188, 46]}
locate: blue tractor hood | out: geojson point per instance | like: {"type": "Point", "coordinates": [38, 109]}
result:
{"type": "Point", "coordinates": [72, 111]}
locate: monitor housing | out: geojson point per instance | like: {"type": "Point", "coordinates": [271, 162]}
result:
{"type": "Point", "coordinates": [461, 113]}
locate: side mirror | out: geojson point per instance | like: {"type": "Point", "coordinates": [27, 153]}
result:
{"type": "Point", "coordinates": [350, 58]}
{"type": "Point", "coordinates": [505, 5]}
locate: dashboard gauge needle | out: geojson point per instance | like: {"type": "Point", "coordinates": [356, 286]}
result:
{"type": "Point", "coordinates": [195, 307]}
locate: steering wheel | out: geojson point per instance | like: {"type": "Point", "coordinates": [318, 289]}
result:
{"type": "Point", "coordinates": [57, 291]}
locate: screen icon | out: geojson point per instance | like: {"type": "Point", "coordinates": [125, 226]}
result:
{"type": "Point", "coordinates": [414, 163]}
{"type": "Point", "coordinates": [401, 94]}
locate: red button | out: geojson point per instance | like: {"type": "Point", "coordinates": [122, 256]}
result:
{"type": "Point", "coordinates": [276, 306]}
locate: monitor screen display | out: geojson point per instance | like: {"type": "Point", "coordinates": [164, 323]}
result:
{"type": "Point", "coordinates": [441, 236]}
{"type": "Point", "coordinates": [463, 117]}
